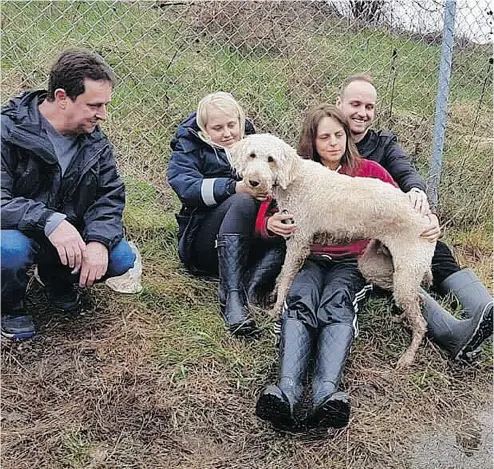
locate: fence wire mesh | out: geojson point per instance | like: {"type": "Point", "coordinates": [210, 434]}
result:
{"type": "Point", "coordinates": [278, 59]}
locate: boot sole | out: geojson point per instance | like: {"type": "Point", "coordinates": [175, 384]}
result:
{"type": "Point", "coordinates": [247, 329]}
{"type": "Point", "coordinates": [72, 309]}
{"type": "Point", "coordinates": [18, 335]}
{"type": "Point", "coordinates": [482, 332]}
{"type": "Point", "coordinates": [274, 409]}
{"type": "Point", "coordinates": [331, 414]}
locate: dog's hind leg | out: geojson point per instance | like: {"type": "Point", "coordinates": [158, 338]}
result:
{"type": "Point", "coordinates": [407, 279]}
{"type": "Point", "coordinates": [419, 329]}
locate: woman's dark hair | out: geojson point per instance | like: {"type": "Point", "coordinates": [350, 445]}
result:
{"type": "Point", "coordinates": [307, 142]}
{"type": "Point", "coordinates": [72, 68]}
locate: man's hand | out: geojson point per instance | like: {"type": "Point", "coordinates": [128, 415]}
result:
{"type": "Point", "coordinates": [94, 263]}
{"type": "Point", "coordinates": [433, 231]}
{"type": "Point", "coordinates": [69, 245]}
{"type": "Point", "coordinates": [418, 200]}
{"type": "Point", "coordinates": [281, 224]}
{"type": "Point", "coordinates": [242, 188]}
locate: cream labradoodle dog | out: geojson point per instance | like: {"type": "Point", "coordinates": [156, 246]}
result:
{"type": "Point", "coordinates": [342, 209]}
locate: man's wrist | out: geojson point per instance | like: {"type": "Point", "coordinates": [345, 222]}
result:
{"type": "Point", "coordinates": [53, 221]}
{"type": "Point", "coordinates": [97, 242]}
{"type": "Point", "coordinates": [94, 238]}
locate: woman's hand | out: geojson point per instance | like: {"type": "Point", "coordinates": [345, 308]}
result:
{"type": "Point", "coordinates": [433, 231]}
{"type": "Point", "coordinates": [242, 188]}
{"type": "Point", "coordinates": [281, 224]}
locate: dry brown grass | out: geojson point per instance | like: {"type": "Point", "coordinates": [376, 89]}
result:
{"type": "Point", "coordinates": [154, 382]}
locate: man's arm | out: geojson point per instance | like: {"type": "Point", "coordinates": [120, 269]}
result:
{"type": "Point", "coordinates": [103, 219]}
{"type": "Point", "coordinates": [19, 213]}
{"type": "Point", "coordinates": [398, 164]}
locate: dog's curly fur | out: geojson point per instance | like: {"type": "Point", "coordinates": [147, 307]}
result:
{"type": "Point", "coordinates": [342, 209]}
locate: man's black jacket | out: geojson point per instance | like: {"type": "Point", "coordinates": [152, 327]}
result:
{"type": "Point", "coordinates": [90, 193]}
{"type": "Point", "coordinates": [382, 147]}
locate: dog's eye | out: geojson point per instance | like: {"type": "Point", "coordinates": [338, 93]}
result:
{"type": "Point", "coordinates": [252, 155]}
{"type": "Point", "coordinates": [270, 159]}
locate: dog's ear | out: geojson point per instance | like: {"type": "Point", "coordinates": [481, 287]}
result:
{"type": "Point", "coordinates": [287, 171]}
{"type": "Point", "coordinates": [237, 153]}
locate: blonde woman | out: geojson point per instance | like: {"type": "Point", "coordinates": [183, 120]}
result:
{"type": "Point", "coordinates": [218, 217]}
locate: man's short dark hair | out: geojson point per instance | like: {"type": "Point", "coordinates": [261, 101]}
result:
{"type": "Point", "coordinates": [73, 67]}
{"type": "Point", "coordinates": [351, 79]}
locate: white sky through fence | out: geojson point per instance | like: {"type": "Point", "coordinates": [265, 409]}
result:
{"type": "Point", "coordinates": [474, 19]}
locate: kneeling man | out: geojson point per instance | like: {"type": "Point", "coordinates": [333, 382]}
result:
{"type": "Point", "coordinates": [62, 198]}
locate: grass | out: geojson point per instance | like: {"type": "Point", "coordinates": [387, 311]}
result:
{"type": "Point", "coordinates": [153, 380]}
{"type": "Point", "coordinates": [276, 71]}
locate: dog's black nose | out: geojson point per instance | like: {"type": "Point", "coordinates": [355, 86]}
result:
{"type": "Point", "coordinates": [253, 183]}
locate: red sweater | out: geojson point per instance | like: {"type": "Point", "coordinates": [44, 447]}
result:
{"type": "Point", "coordinates": [367, 168]}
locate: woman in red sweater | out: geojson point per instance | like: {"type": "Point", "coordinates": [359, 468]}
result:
{"type": "Point", "coordinates": [320, 313]}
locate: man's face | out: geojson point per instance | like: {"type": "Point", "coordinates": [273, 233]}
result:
{"type": "Point", "coordinates": [358, 104]}
{"type": "Point", "coordinates": [82, 115]}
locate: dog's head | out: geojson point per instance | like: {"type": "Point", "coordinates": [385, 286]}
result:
{"type": "Point", "coordinates": [265, 161]}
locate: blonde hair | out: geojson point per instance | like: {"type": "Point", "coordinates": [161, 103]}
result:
{"type": "Point", "coordinates": [223, 101]}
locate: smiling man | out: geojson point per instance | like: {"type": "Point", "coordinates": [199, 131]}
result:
{"type": "Point", "coordinates": [62, 198]}
{"type": "Point", "coordinates": [357, 100]}
{"type": "Point", "coordinates": [461, 338]}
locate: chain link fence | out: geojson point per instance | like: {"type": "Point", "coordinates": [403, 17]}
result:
{"type": "Point", "coordinates": [278, 59]}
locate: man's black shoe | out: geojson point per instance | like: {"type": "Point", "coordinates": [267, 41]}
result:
{"type": "Point", "coordinates": [65, 299]}
{"type": "Point", "coordinates": [17, 324]}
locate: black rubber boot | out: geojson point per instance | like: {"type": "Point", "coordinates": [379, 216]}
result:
{"type": "Point", "coordinates": [261, 277]}
{"type": "Point", "coordinates": [233, 251]}
{"type": "Point", "coordinates": [477, 304]}
{"type": "Point", "coordinates": [277, 403]}
{"type": "Point", "coordinates": [331, 408]}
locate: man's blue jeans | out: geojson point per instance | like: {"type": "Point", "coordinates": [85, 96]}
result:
{"type": "Point", "coordinates": [19, 252]}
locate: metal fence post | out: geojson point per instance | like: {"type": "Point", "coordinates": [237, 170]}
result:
{"type": "Point", "coordinates": [442, 101]}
